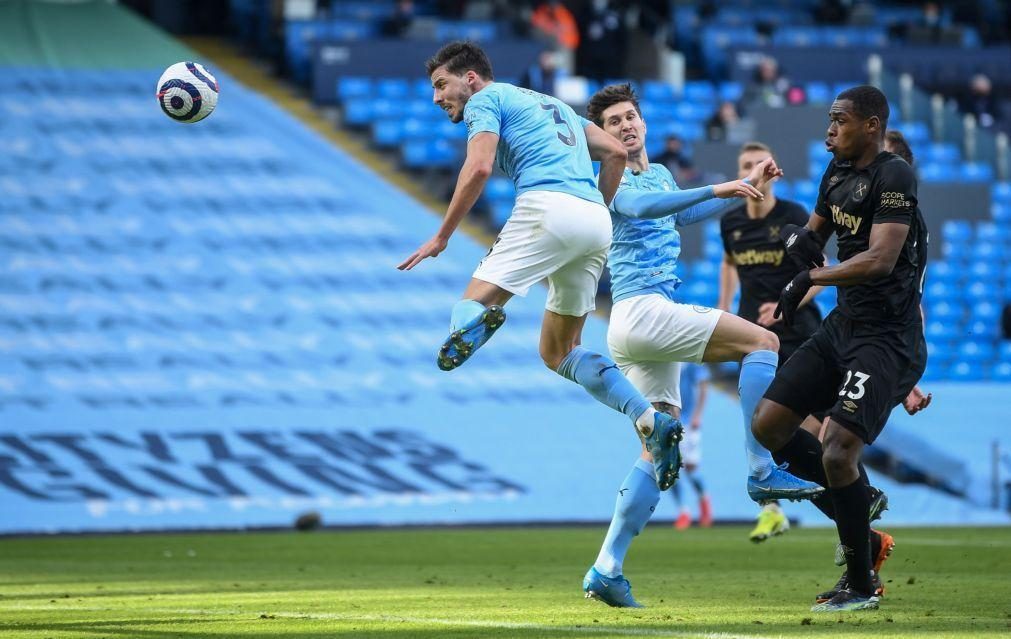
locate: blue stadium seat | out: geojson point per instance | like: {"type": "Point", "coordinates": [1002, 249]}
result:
{"type": "Point", "coordinates": [352, 30]}
{"type": "Point", "coordinates": [691, 110]}
{"type": "Point", "coordinates": [1000, 212]}
{"type": "Point", "coordinates": [940, 290]}
{"type": "Point", "coordinates": [976, 351]}
{"type": "Point", "coordinates": [426, 154]}
{"type": "Point", "coordinates": [700, 91]}
{"type": "Point", "coordinates": [1001, 372]}
{"type": "Point", "coordinates": [1004, 350]}
{"type": "Point", "coordinates": [986, 311]}
{"type": "Point", "coordinates": [975, 172]}
{"type": "Point", "coordinates": [388, 133]}
{"type": "Point", "coordinates": [938, 330]}
{"type": "Point", "coordinates": [985, 270]}
{"type": "Point", "coordinates": [978, 292]}
{"type": "Point", "coordinates": [938, 172]}
{"type": "Point", "coordinates": [915, 132]}
{"type": "Point", "coordinates": [796, 36]}
{"type": "Point", "coordinates": [957, 231]}
{"type": "Point", "coordinates": [818, 93]}
{"type": "Point", "coordinates": [731, 91]}
{"type": "Point", "coordinates": [393, 88]}
{"type": "Point", "coordinates": [784, 189]}
{"type": "Point", "coordinates": [704, 270]}
{"type": "Point", "coordinates": [987, 251]}
{"type": "Point", "coordinates": [805, 190]}
{"type": "Point", "coordinates": [942, 153]}
{"type": "Point", "coordinates": [980, 329]}
{"type": "Point", "coordinates": [816, 151]}
{"type": "Point", "coordinates": [500, 188]}
{"type": "Point", "coordinates": [362, 10]}
{"type": "Point", "coordinates": [1001, 192]}
{"type": "Point", "coordinates": [358, 112]}
{"type": "Point", "coordinates": [966, 372]}
{"type": "Point", "coordinates": [353, 87]}
{"type": "Point", "coordinates": [479, 30]}
{"type": "Point", "coordinates": [944, 310]}
{"type": "Point", "coordinates": [991, 232]}
{"type": "Point", "coordinates": [656, 91]}
{"type": "Point", "coordinates": [942, 271]}
{"type": "Point", "coordinates": [500, 212]}
{"type": "Point", "coordinates": [422, 89]}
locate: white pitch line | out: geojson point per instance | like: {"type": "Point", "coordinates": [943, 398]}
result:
{"type": "Point", "coordinates": [465, 623]}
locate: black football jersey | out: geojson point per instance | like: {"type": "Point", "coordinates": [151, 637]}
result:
{"type": "Point", "coordinates": [763, 267]}
{"type": "Point", "coordinates": [853, 200]}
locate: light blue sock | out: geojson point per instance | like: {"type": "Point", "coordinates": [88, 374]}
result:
{"type": "Point", "coordinates": [637, 499]}
{"type": "Point", "coordinates": [602, 379]}
{"type": "Point", "coordinates": [464, 312]}
{"type": "Point", "coordinates": [675, 492]}
{"type": "Point", "coordinates": [757, 370]}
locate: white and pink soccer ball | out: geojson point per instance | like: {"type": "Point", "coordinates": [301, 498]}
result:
{"type": "Point", "coordinates": [187, 92]}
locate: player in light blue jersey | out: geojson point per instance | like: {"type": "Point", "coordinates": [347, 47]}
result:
{"type": "Point", "coordinates": [559, 229]}
{"type": "Point", "coordinates": [650, 334]}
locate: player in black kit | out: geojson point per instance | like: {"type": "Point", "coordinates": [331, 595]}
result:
{"type": "Point", "coordinates": [870, 351]}
{"type": "Point", "coordinates": [755, 257]}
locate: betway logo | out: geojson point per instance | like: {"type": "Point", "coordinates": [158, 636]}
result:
{"type": "Point", "coordinates": [751, 257]}
{"type": "Point", "coordinates": [842, 218]}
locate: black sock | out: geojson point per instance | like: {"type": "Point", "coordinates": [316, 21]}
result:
{"type": "Point", "coordinates": [803, 452]}
{"type": "Point", "coordinates": [851, 505]}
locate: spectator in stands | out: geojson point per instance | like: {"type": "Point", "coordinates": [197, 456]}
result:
{"type": "Point", "coordinates": [980, 101]}
{"type": "Point", "coordinates": [541, 76]}
{"type": "Point", "coordinates": [400, 22]}
{"type": "Point", "coordinates": [769, 87]}
{"type": "Point", "coordinates": [677, 160]}
{"type": "Point", "coordinates": [833, 11]}
{"type": "Point", "coordinates": [554, 21]}
{"type": "Point", "coordinates": [722, 125]}
{"type": "Point", "coordinates": [601, 53]}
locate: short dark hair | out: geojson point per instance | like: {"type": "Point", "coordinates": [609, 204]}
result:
{"type": "Point", "coordinates": [867, 102]}
{"type": "Point", "coordinates": [755, 146]}
{"type": "Point", "coordinates": [460, 57]}
{"type": "Point", "coordinates": [609, 96]}
{"type": "Point", "coordinates": [900, 146]}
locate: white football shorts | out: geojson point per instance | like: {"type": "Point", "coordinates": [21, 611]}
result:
{"type": "Point", "coordinates": [556, 236]}
{"type": "Point", "coordinates": [691, 447]}
{"type": "Point", "coordinates": [649, 336]}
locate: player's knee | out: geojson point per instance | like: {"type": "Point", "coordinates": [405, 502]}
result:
{"type": "Point", "coordinates": [838, 459]}
{"type": "Point", "coordinates": [552, 356]}
{"type": "Point", "coordinates": [766, 340]}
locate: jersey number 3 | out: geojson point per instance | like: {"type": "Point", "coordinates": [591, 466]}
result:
{"type": "Point", "coordinates": [857, 390]}
{"type": "Point", "coordinates": [569, 139]}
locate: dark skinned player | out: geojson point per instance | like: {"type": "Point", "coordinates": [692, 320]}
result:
{"type": "Point", "coordinates": [870, 351]}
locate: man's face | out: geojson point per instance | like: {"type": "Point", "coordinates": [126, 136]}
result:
{"type": "Point", "coordinates": [624, 123]}
{"type": "Point", "coordinates": [848, 133]}
{"type": "Point", "coordinates": [749, 160]}
{"type": "Point", "coordinates": [451, 92]}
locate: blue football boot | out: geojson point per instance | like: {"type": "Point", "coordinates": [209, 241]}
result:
{"type": "Point", "coordinates": [782, 485]}
{"type": "Point", "coordinates": [664, 445]}
{"type": "Point", "coordinates": [614, 591]}
{"type": "Point", "coordinates": [464, 341]}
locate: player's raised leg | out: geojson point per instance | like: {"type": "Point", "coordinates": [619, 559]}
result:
{"type": "Point", "coordinates": [474, 319]}
{"type": "Point", "coordinates": [756, 348]}
{"type": "Point", "coordinates": [600, 376]}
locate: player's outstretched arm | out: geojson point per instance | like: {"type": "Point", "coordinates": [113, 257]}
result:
{"type": "Point", "coordinates": [474, 174]}
{"type": "Point", "coordinates": [611, 155]}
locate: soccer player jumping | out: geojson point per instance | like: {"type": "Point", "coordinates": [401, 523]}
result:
{"type": "Point", "coordinates": [870, 351]}
{"type": "Point", "coordinates": [559, 229]}
{"type": "Point", "coordinates": [650, 334]}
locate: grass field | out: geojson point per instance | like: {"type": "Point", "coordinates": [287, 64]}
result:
{"type": "Point", "coordinates": [489, 582]}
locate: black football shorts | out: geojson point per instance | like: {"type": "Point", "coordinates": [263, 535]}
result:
{"type": "Point", "coordinates": [855, 372]}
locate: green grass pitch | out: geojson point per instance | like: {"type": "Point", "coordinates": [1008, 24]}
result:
{"type": "Point", "coordinates": [524, 582]}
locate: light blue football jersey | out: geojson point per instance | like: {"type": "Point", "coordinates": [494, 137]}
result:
{"type": "Point", "coordinates": [542, 145]}
{"type": "Point", "coordinates": [644, 252]}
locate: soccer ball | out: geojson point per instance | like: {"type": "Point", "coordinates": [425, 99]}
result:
{"type": "Point", "coordinates": [187, 92]}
